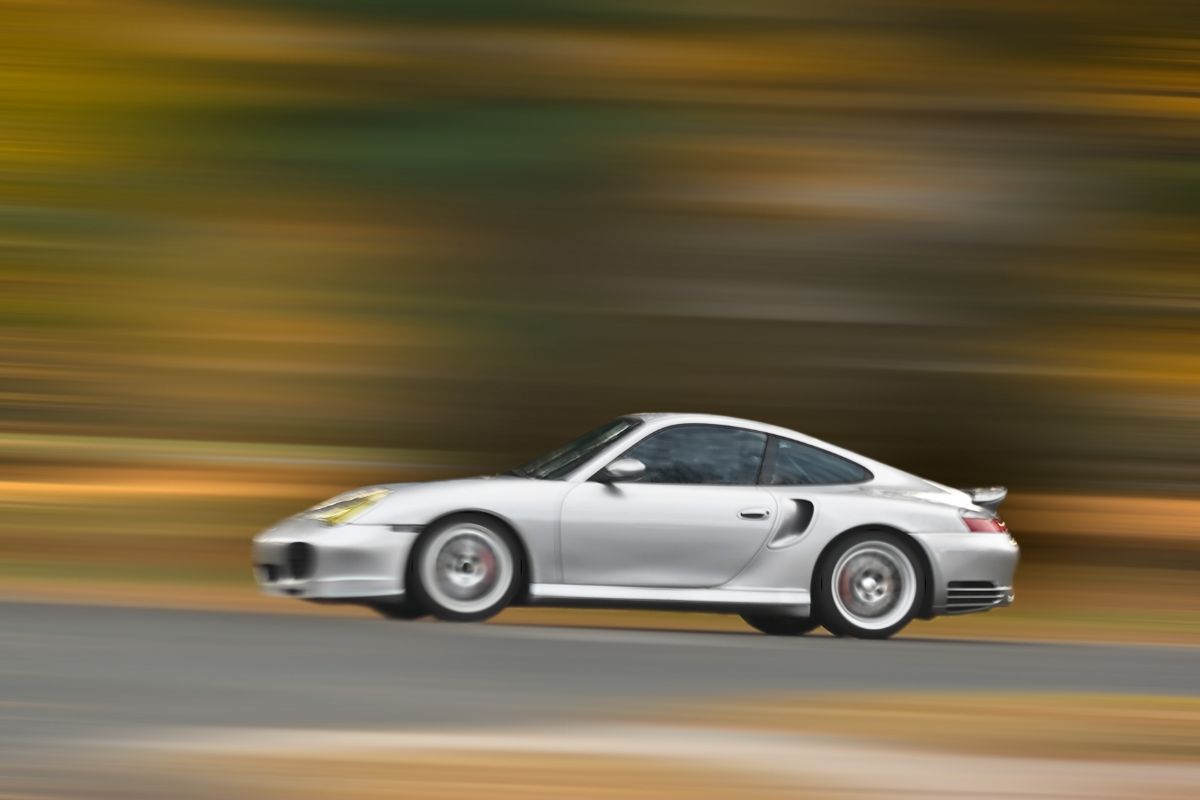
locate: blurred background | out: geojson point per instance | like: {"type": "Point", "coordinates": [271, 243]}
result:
{"type": "Point", "coordinates": [259, 251]}
{"type": "Point", "coordinates": [256, 252]}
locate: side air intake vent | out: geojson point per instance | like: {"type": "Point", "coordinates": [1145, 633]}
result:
{"type": "Point", "coordinates": [804, 515]}
{"type": "Point", "coordinates": [793, 526]}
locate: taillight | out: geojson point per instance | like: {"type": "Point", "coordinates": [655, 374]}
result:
{"type": "Point", "coordinates": [983, 522]}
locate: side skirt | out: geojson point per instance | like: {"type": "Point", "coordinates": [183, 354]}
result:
{"type": "Point", "coordinates": [791, 601]}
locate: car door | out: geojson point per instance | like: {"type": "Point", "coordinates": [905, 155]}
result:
{"type": "Point", "coordinates": [695, 519]}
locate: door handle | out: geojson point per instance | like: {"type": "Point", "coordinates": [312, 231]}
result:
{"type": "Point", "coordinates": [754, 513]}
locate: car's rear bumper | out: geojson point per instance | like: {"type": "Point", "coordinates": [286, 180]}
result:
{"type": "Point", "coordinates": [303, 558]}
{"type": "Point", "coordinates": [971, 571]}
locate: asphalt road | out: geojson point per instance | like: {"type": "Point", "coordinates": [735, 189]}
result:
{"type": "Point", "coordinates": [74, 673]}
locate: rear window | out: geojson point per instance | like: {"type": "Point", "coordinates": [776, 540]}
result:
{"type": "Point", "coordinates": [799, 464]}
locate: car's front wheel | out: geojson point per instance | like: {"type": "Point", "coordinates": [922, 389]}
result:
{"type": "Point", "coordinates": [778, 625]}
{"type": "Point", "coordinates": [869, 585]}
{"type": "Point", "coordinates": [466, 569]}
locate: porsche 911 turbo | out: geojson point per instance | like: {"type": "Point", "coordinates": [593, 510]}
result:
{"type": "Point", "coordinates": [685, 511]}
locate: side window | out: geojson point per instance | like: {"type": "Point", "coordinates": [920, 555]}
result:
{"type": "Point", "coordinates": [701, 454]}
{"type": "Point", "coordinates": [803, 465]}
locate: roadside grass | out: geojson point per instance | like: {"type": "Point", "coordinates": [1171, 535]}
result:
{"type": "Point", "coordinates": [467, 775]}
{"type": "Point", "coordinates": [1100, 727]}
{"type": "Point", "coordinates": [981, 745]}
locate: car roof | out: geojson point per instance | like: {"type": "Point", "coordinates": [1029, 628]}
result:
{"type": "Point", "coordinates": [662, 418]}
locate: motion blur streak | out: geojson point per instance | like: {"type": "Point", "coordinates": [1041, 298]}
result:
{"type": "Point", "coordinates": [905, 227]}
{"type": "Point", "coordinates": [256, 252]}
{"type": "Point", "coordinates": [378, 241]}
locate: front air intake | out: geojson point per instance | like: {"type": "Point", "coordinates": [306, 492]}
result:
{"type": "Point", "coordinates": [301, 560]}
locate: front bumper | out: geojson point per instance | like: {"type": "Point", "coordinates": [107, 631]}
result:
{"type": "Point", "coordinates": [971, 571]}
{"type": "Point", "coordinates": [304, 558]}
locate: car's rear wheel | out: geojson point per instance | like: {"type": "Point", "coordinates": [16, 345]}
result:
{"type": "Point", "coordinates": [466, 569]}
{"type": "Point", "coordinates": [778, 625]}
{"type": "Point", "coordinates": [869, 585]}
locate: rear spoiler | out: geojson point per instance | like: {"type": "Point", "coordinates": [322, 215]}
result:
{"type": "Point", "coordinates": [990, 497]}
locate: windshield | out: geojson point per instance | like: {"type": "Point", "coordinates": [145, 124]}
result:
{"type": "Point", "coordinates": [558, 463]}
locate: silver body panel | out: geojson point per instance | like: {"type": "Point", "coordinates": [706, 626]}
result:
{"type": "Point", "coordinates": [660, 535]}
{"type": "Point", "coordinates": [990, 557]}
{"type": "Point", "coordinates": [352, 560]}
{"type": "Point", "coordinates": [653, 544]}
{"type": "Point", "coordinates": [794, 601]}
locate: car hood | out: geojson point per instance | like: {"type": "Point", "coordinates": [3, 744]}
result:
{"type": "Point", "coordinates": [418, 503]}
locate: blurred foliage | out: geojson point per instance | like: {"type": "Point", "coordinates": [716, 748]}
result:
{"type": "Point", "coordinates": [959, 237]}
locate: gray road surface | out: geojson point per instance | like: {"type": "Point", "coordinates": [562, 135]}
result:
{"type": "Point", "coordinates": [76, 679]}
{"type": "Point", "coordinates": [76, 672]}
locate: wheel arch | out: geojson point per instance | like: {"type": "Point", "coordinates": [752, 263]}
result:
{"type": "Point", "coordinates": [525, 571]}
{"type": "Point", "coordinates": [926, 610]}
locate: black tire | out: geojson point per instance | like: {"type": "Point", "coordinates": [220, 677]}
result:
{"type": "Point", "coordinates": [869, 563]}
{"type": "Point", "coordinates": [779, 625]}
{"type": "Point", "coordinates": [451, 571]}
{"type": "Point", "coordinates": [405, 608]}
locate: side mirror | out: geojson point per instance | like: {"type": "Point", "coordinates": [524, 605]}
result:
{"type": "Point", "coordinates": [623, 469]}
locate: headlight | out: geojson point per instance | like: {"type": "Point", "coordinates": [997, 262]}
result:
{"type": "Point", "coordinates": [345, 507]}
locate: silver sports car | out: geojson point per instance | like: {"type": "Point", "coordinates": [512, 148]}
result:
{"type": "Point", "coordinates": [686, 511]}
